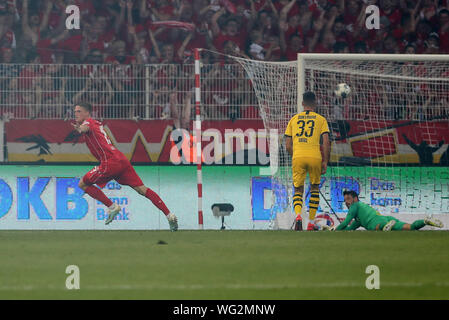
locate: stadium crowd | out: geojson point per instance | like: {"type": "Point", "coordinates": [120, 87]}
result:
{"type": "Point", "coordinates": [136, 32]}
{"type": "Point", "coordinates": [166, 31]}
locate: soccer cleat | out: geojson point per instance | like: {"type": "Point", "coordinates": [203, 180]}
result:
{"type": "Point", "coordinates": [433, 222]}
{"type": "Point", "coordinates": [172, 222]}
{"type": "Point", "coordinates": [298, 224]}
{"type": "Point", "coordinates": [112, 213]}
{"type": "Point", "coordinates": [389, 225]}
{"type": "Point", "coordinates": [312, 227]}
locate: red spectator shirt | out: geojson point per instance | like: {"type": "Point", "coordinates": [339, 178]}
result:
{"type": "Point", "coordinates": [239, 39]}
{"type": "Point", "coordinates": [293, 11]}
{"type": "Point", "coordinates": [27, 76]}
{"type": "Point", "coordinates": [291, 31]}
{"type": "Point", "coordinates": [8, 40]}
{"type": "Point", "coordinates": [319, 48]}
{"type": "Point", "coordinates": [394, 17]}
{"type": "Point", "coordinates": [98, 142]}
{"type": "Point", "coordinates": [45, 50]}
{"type": "Point", "coordinates": [122, 71]}
{"type": "Point", "coordinates": [55, 16]}
{"type": "Point", "coordinates": [349, 19]}
{"type": "Point", "coordinates": [86, 7]}
{"type": "Point", "coordinates": [258, 4]}
{"type": "Point", "coordinates": [168, 9]}
{"type": "Point", "coordinates": [292, 55]}
{"type": "Point", "coordinates": [444, 41]}
{"type": "Point", "coordinates": [72, 44]}
{"type": "Point", "coordinates": [198, 41]}
{"type": "Point", "coordinates": [102, 42]}
{"type": "Point", "coordinates": [113, 60]}
{"type": "Point", "coordinates": [346, 37]}
{"type": "Point", "coordinates": [108, 37]}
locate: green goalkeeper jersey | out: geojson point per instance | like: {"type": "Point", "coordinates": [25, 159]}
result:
{"type": "Point", "coordinates": [363, 215]}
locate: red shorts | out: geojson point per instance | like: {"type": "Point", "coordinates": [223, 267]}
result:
{"type": "Point", "coordinates": [119, 170]}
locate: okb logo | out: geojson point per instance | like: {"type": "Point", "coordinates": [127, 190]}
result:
{"type": "Point", "coordinates": [68, 197]}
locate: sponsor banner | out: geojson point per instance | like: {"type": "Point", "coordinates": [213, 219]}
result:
{"type": "Point", "coordinates": [142, 142]}
{"type": "Point", "coordinates": [401, 190]}
{"type": "Point", "coordinates": [48, 197]}
{"type": "Point", "coordinates": [371, 142]}
{"type": "Point", "coordinates": [228, 142]}
{"type": "Point", "coordinates": [406, 191]}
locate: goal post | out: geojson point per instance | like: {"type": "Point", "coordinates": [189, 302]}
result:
{"type": "Point", "coordinates": [301, 81]}
{"type": "Point", "coordinates": [398, 104]}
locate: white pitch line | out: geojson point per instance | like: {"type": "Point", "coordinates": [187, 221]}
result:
{"type": "Point", "coordinates": [224, 286]}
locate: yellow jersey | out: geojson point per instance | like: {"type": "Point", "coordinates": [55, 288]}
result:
{"type": "Point", "coordinates": [306, 129]}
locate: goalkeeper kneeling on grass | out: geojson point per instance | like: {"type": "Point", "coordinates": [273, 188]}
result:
{"type": "Point", "coordinates": [368, 218]}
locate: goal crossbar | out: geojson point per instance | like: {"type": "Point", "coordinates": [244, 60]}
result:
{"type": "Point", "coordinates": [374, 57]}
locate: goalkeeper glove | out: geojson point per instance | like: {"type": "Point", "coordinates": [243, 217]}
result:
{"type": "Point", "coordinates": [329, 228]}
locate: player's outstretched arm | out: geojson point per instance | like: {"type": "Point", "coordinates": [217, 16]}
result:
{"type": "Point", "coordinates": [410, 143]}
{"type": "Point", "coordinates": [80, 128]}
{"type": "Point", "coordinates": [345, 223]}
{"type": "Point", "coordinates": [434, 149]}
{"type": "Point", "coordinates": [353, 226]}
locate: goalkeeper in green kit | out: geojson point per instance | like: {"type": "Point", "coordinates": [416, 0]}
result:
{"type": "Point", "coordinates": [368, 218]}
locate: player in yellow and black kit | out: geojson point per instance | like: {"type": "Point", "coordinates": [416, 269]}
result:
{"type": "Point", "coordinates": [304, 135]}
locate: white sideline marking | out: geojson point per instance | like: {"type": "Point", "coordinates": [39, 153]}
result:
{"type": "Point", "coordinates": [224, 286]}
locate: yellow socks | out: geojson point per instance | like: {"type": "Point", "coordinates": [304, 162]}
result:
{"type": "Point", "coordinates": [297, 204]}
{"type": "Point", "coordinates": [314, 201]}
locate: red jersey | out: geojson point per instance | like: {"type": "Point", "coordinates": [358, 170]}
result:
{"type": "Point", "coordinates": [8, 40]}
{"type": "Point", "coordinates": [98, 142]}
{"type": "Point", "coordinates": [72, 44]}
{"type": "Point", "coordinates": [45, 51]}
{"type": "Point", "coordinates": [239, 39]}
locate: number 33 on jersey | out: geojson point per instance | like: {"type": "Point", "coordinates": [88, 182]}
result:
{"type": "Point", "coordinates": [306, 129]}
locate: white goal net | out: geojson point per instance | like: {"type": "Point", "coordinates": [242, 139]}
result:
{"type": "Point", "coordinates": [389, 137]}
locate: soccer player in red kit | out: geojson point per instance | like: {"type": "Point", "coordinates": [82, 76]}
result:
{"type": "Point", "coordinates": [113, 165]}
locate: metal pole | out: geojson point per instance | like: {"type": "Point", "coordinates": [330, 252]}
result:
{"type": "Point", "coordinates": [197, 131]}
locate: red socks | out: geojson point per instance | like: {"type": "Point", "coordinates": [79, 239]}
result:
{"type": "Point", "coordinates": [157, 201]}
{"type": "Point", "coordinates": [97, 194]}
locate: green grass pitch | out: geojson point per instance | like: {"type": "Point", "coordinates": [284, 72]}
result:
{"type": "Point", "coordinates": [224, 264]}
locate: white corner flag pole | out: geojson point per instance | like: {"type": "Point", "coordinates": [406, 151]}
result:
{"type": "Point", "coordinates": [197, 131]}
